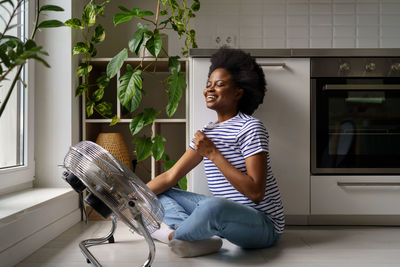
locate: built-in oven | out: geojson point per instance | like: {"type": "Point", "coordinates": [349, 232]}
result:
{"type": "Point", "coordinates": [355, 116]}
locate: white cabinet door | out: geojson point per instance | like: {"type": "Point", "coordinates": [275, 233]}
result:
{"type": "Point", "coordinates": [286, 114]}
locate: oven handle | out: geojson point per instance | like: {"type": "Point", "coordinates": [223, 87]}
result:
{"type": "Point", "coordinates": [368, 184]}
{"type": "Point", "coordinates": [277, 65]}
{"type": "Point", "coordinates": [361, 87]}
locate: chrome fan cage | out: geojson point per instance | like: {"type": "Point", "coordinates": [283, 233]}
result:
{"type": "Point", "coordinates": [129, 199]}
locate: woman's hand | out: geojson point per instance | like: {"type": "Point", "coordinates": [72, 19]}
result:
{"type": "Point", "coordinates": [203, 145]}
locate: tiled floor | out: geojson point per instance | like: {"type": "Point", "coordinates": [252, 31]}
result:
{"type": "Point", "coordinates": [298, 246]}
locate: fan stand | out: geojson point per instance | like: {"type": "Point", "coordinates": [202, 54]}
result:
{"type": "Point", "coordinates": [97, 241]}
{"type": "Point", "coordinates": [110, 238]}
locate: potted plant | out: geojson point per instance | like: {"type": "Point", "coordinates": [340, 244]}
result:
{"type": "Point", "coordinates": [169, 14]}
{"type": "Point", "coordinates": [14, 52]}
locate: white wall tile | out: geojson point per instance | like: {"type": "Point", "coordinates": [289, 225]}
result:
{"type": "Point", "coordinates": [274, 20]}
{"type": "Point", "coordinates": [275, 32]}
{"type": "Point", "coordinates": [297, 9]}
{"type": "Point", "coordinates": [320, 42]}
{"type": "Point", "coordinates": [367, 42]}
{"type": "Point", "coordinates": [390, 8]}
{"type": "Point", "coordinates": [321, 20]}
{"type": "Point", "coordinates": [344, 31]}
{"type": "Point", "coordinates": [297, 32]}
{"type": "Point", "coordinates": [274, 43]}
{"type": "Point", "coordinates": [250, 42]}
{"type": "Point", "coordinates": [251, 8]}
{"type": "Point", "coordinates": [390, 20]}
{"type": "Point", "coordinates": [368, 31]}
{"type": "Point", "coordinates": [344, 8]}
{"type": "Point", "coordinates": [297, 20]}
{"type": "Point", "coordinates": [389, 42]}
{"type": "Point", "coordinates": [367, 8]}
{"type": "Point", "coordinates": [368, 19]}
{"type": "Point", "coordinates": [320, 31]}
{"type": "Point", "coordinates": [321, 8]}
{"type": "Point", "coordinates": [344, 20]}
{"type": "Point", "coordinates": [344, 42]}
{"type": "Point", "coordinates": [390, 32]}
{"type": "Point", "coordinates": [275, 8]}
{"type": "Point", "coordinates": [300, 23]}
{"type": "Point", "coordinates": [297, 43]}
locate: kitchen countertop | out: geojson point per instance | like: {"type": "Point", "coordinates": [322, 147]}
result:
{"type": "Point", "coordinates": [307, 52]}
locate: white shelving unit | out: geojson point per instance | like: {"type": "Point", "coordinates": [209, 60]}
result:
{"type": "Point", "coordinates": [175, 128]}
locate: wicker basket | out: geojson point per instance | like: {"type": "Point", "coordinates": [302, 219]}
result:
{"type": "Point", "coordinates": [115, 144]}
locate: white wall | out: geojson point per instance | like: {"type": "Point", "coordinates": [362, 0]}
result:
{"type": "Point", "coordinates": [56, 108]}
{"type": "Point", "coordinates": [301, 23]}
{"type": "Point", "coordinates": [285, 24]}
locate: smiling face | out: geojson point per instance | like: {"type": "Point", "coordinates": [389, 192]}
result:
{"type": "Point", "coordinates": [221, 94]}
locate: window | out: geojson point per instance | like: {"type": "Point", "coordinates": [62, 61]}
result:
{"type": "Point", "coordinates": [16, 145]}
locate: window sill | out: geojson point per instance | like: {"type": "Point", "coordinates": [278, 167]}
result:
{"type": "Point", "coordinates": [15, 204]}
{"type": "Point", "coordinates": [30, 218]}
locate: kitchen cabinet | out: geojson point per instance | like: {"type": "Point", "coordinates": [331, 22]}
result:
{"type": "Point", "coordinates": [286, 115]}
{"type": "Point", "coordinates": [173, 129]}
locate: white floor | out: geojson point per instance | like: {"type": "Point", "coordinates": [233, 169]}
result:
{"type": "Point", "coordinates": [298, 246]}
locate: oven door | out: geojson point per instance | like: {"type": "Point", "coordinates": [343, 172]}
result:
{"type": "Point", "coordinates": [355, 126]}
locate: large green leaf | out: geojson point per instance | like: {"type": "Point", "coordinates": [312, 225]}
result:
{"type": "Point", "coordinates": [83, 87]}
{"type": "Point", "coordinates": [104, 108]}
{"type": "Point", "coordinates": [174, 65]}
{"type": "Point", "coordinates": [80, 48]}
{"type": "Point", "coordinates": [136, 124]}
{"type": "Point", "coordinates": [74, 23]}
{"type": "Point", "coordinates": [143, 147]}
{"type": "Point", "coordinates": [83, 69]}
{"type": "Point", "coordinates": [50, 24]}
{"type": "Point", "coordinates": [129, 91]}
{"type": "Point", "coordinates": [120, 18]}
{"type": "Point", "coordinates": [89, 14]}
{"type": "Point", "coordinates": [157, 148]}
{"type": "Point", "coordinates": [142, 119]}
{"type": "Point", "coordinates": [98, 94]}
{"type": "Point", "coordinates": [154, 44]}
{"type": "Point", "coordinates": [177, 83]}
{"type": "Point", "coordinates": [116, 63]}
{"type": "Point", "coordinates": [196, 5]}
{"type": "Point", "coordinates": [137, 41]}
{"type": "Point", "coordinates": [89, 108]}
{"type": "Point", "coordinates": [99, 34]}
{"type": "Point", "coordinates": [50, 8]}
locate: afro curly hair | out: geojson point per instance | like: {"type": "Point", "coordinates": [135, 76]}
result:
{"type": "Point", "coordinates": [246, 74]}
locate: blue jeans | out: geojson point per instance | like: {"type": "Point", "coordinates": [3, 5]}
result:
{"type": "Point", "coordinates": [196, 217]}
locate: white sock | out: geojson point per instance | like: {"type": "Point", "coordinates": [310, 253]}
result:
{"type": "Point", "coordinates": [186, 249]}
{"type": "Point", "coordinates": [162, 233]}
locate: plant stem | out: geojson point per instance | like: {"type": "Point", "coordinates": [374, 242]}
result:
{"type": "Point", "coordinates": [3, 105]}
{"type": "Point", "coordinates": [11, 17]}
{"type": "Point", "coordinates": [157, 12]}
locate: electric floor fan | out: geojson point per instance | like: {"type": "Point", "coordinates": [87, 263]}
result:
{"type": "Point", "coordinates": [114, 190]}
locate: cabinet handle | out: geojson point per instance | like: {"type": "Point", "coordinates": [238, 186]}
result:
{"type": "Point", "coordinates": [277, 65]}
{"type": "Point", "coordinates": [361, 87]}
{"type": "Point", "coordinates": [368, 183]}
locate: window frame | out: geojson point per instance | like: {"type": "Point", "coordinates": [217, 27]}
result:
{"type": "Point", "coordinates": [22, 177]}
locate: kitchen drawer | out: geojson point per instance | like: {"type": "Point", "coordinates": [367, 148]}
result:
{"type": "Point", "coordinates": [355, 195]}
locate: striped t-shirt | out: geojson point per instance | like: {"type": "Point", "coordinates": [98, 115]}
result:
{"type": "Point", "coordinates": [238, 138]}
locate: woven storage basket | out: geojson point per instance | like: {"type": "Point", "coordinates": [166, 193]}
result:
{"type": "Point", "coordinates": [115, 144]}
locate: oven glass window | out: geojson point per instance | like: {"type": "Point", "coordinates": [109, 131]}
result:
{"type": "Point", "coordinates": [357, 127]}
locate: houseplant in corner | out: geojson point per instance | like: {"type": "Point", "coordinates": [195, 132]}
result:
{"type": "Point", "coordinates": [169, 14]}
{"type": "Point", "coordinates": [14, 52]}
